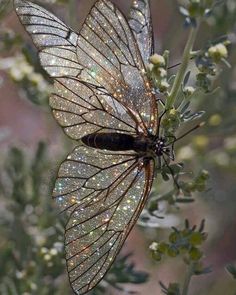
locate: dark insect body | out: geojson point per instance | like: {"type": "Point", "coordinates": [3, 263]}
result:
{"type": "Point", "coordinates": [148, 147]}
{"type": "Point", "coordinates": [104, 100]}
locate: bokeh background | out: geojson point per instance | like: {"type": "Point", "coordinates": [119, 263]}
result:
{"type": "Point", "coordinates": [32, 146]}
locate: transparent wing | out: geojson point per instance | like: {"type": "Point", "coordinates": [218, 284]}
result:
{"type": "Point", "coordinates": [55, 41]}
{"type": "Point", "coordinates": [105, 54]}
{"type": "Point", "coordinates": [103, 193]}
{"type": "Point", "coordinates": [110, 57]}
{"type": "Point", "coordinates": [141, 24]}
{"type": "Point", "coordinates": [82, 108]}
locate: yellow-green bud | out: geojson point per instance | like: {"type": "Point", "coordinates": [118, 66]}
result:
{"type": "Point", "coordinates": [150, 67]}
{"type": "Point", "coordinates": [173, 237]}
{"type": "Point", "coordinates": [196, 238]}
{"type": "Point", "coordinates": [161, 72]}
{"type": "Point", "coordinates": [157, 60]}
{"type": "Point", "coordinates": [172, 252]}
{"type": "Point", "coordinates": [157, 256]}
{"type": "Point", "coordinates": [217, 52]}
{"type": "Point", "coordinates": [205, 174]}
{"type": "Point", "coordinates": [162, 247]}
{"type": "Point", "coordinates": [195, 254]}
{"type": "Point", "coordinates": [173, 112]}
{"type": "Point", "coordinates": [189, 90]}
{"type": "Point", "coordinates": [164, 85]}
{"type": "Point", "coordinates": [227, 42]}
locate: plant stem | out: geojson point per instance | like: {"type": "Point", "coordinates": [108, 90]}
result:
{"type": "Point", "coordinates": [180, 75]}
{"type": "Point", "coordinates": [187, 280]}
{"type": "Point", "coordinates": [73, 13]}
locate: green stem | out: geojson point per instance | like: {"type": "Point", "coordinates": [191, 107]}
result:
{"type": "Point", "coordinates": [187, 280]}
{"type": "Point", "coordinates": [73, 13]}
{"type": "Point", "coordinates": [180, 75]}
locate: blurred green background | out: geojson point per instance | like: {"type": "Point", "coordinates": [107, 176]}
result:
{"type": "Point", "coordinates": [32, 147]}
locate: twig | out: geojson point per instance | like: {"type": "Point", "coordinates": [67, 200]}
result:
{"type": "Point", "coordinates": [180, 75]}
{"type": "Point", "coordinates": [187, 280]}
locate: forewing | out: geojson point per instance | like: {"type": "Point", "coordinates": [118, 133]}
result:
{"type": "Point", "coordinates": [55, 41]}
{"type": "Point", "coordinates": [105, 55]}
{"type": "Point", "coordinates": [110, 57]}
{"type": "Point", "coordinates": [141, 24]}
{"type": "Point", "coordinates": [103, 193]}
{"type": "Point", "coordinates": [82, 108]}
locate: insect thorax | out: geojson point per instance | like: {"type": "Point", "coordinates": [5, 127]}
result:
{"type": "Point", "coordinates": [154, 147]}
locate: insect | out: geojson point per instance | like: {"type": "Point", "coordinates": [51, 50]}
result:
{"type": "Point", "coordinates": [104, 100]}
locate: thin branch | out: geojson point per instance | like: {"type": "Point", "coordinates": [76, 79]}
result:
{"type": "Point", "coordinates": [184, 65]}
{"type": "Point", "coordinates": [187, 280]}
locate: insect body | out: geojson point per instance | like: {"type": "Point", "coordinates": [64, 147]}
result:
{"type": "Point", "coordinates": [104, 100]}
{"type": "Point", "coordinates": [145, 146]}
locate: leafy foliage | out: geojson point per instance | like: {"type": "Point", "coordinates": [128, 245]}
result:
{"type": "Point", "coordinates": [183, 243]}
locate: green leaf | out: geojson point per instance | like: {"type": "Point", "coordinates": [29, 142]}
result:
{"type": "Point", "coordinates": [186, 78]}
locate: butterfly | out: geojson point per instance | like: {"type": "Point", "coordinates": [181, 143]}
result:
{"type": "Point", "coordinates": [104, 100]}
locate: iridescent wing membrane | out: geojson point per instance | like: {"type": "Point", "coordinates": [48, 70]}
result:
{"type": "Point", "coordinates": [100, 86]}
{"type": "Point", "coordinates": [104, 193]}
{"type": "Point", "coordinates": [141, 25]}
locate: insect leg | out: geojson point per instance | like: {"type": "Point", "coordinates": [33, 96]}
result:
{"type": "Point", "coordinates": [171, 172]}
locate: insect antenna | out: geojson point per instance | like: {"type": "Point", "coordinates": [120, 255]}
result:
{"type": "Point", "coordinates": [186, 133]}
{"type": "Point", "coordinates": [176, 65]}
{"type": "Point", "coordinates": [173, 66]}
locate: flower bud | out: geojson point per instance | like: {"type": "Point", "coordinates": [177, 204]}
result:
{"type": "Point", "coordinates": [217, 52]}
{"type": "Point", "coordinates": [161, 72]}
{"type": "Point", "coordinates": [157, 60]}
{"type": "Point", "coordinates": [196, 238]}
{"type": "Point", "coordinates": [150, 67]}
{"type": "Point", "coordinates": [162, 247]}
{"type": "Point", "coordinates": [173, 113]}
{"type": "Point", "coordinates": [189, 90]}
{"type": "Point", "coordinates": [172, 252]}
{"type": "Point", "coordinates": [195, 254]}
{"type": "Point", "coordinates": [164, 85]}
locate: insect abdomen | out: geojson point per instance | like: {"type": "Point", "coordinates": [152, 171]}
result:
{"type": "Point", "coordinates": [110, 141]}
